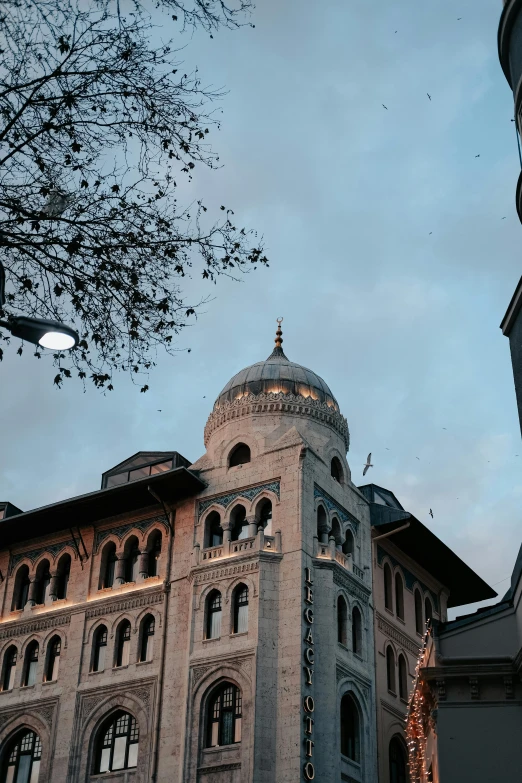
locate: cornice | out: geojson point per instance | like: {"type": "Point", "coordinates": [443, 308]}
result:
{"type": "Point", "coordinates": [397, 635]}
{"type": "Point", "coordinates": [124, 603]}
{"type": "Point", "coordinates": [26, 626]}
{"type": "Point", "coordinates": [230, 567]}
{"type": "Point", "coordinates": [393, 710]}
{"type": "Point", "coordinates": [345, 578]}
{"type": "Point", "coordinates": [453, 671]}
{"type": "Point", "coordinates": [293, 404]}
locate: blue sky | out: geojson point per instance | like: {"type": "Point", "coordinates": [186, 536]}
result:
{"type": "Point", "coordinates": [390, 262]}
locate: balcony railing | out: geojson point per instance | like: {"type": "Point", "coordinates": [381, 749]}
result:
{"type": "Point", "coordinates": [258, 543]}
{"type": "Point", "coordinates": [330, 552]}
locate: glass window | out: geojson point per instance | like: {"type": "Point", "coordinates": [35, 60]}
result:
{"type": "Point", "coordinates": [418, 612]}
{"type": "Point", "coordinates": [390, 669]}
{"type": "Point", "coordinates": [108, 568]}
{"type": "Point", "coordinates": [43, 582]}
{"type": "Point", "coordinates": [154, 553]}
{"type": "Point", "coordinates": [342, 621]}
{"type": "Point", "coordinates": [21, 590]}
{"type": "Point", "coordinates": [388, 603]}
{"type": "Point", "coordinates": [399, 596]}
{"type": "Point", "coordinates": [224, 716]}
{"type": "Point", "coordinates": [214, 615]}
{"type": "Point", "coordinates": [132, 562]}
{"type": "Point", "coordinates": [398, 761]}
{"type": "Point", "coordinates": [53, 662]}
{"type": "Point", "coordinates": [23, 759]}
{"type": "Point", "coordinates": [100, 648]}
{"type": "Point", "coordinates": [350, 729]}
{"type": "Point", "coordinates": [428, 611]}
{"type": "Point", "coordinates": [119, 478]}
{"type": "Point", "coordinates": [356, 631]}
{"type": "Point", "coordinates": [123, 646]}
{"type": "Point", "coordinates": [31, 664]}
{"type": "Point", "coordinates": [214, 530]}
{"type": "Point", "coordinates": [403, 678]}
{"type": "Point", "coordinates": [348, 546]}
{"type": "Point", "coordinates": [64, 570]}
{"type": "Point", "coordinates": [117, 744]}
{"type": "Point", "coordinates": [147, 638]}
{"type": "Point", "coordinates": [160, 467]}
{"type": "Point", "coordinates": [239, 455]}
{"type": "Point", "coordinates": [265, 518]}
{"type": "Point", "coordinates": [241, 609]}
{"type": "Point", "coordinates": [10, 659]}
{"type": "Point", "coordinates": [336, 470]}
{"type": "Point", "coordinates": [239, 524]}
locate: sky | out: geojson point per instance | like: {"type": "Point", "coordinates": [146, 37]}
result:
{"type": "Point", "coordinates": [390, 262]}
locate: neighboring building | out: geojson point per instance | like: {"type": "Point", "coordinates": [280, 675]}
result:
{"type": "Point", "coordinates": [510, 55]}
{"type": "Point", "coordinates": [240, 649]}
{"type": "Point", "coordinates": [465, 721]}
{"type": "Point", "coordinates": [416, 577]}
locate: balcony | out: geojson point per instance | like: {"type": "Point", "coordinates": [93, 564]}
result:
{"type": "Point", "coordinates": [258, 543]}
{"type": "Point", "coordinates": [330, 552]}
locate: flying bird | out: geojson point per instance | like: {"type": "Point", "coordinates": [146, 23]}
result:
{"type": "Point", "coordinates": [431, 513]}
{"type": "Point", "coordinates": [503, 218]}
{"type": "Point", "coordinates": [368, 463]}
{"type": "Point", "coordinates": [387, 449]}
{"type": "Point", "coordinates": [459, 18]}
{"type": "Point", "coordinates": [159, 410]}
{"type": "Point", "coordinates": [382, 104]}
{"type": "Point", "coordinates": [417, 458]}
{"type": "Point", "coordinates": [431, 232]}
{"type": "Point", "coordinates": [429, 96]}
{"type": "Point", "coordinates": [477, 156]}
{"type": "Point", "coordinates": [444, 428]}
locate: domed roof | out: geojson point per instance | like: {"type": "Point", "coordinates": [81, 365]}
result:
{"type": "Point", "coordinates": [277, 374]}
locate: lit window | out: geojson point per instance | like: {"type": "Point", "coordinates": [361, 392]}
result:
{"type": "Point", "coordinates": [123, 644]}
{"type": "Point", "coordinates": [214, 615]}
{"type": "Point", "coordinates": [118, 744]}
{"type": "Point", "coordinates": [31, 664]}
{"type": "Point", "coordinates": [241, 609]}
{"type": "Point", "coordinates": [100, 649]}
{"type": "Point", "coordinates": [23, 759]}
{"type": "Point", "coordinates": [224, 716]}
{"type": "Point", "coordinates": [147, 638]}
{"type": "Point", "coordinates": [10, 660]}
{"type": "Point", "coordinates": [53, 661]}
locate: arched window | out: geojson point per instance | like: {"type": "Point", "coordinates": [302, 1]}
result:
{"type": "Point", "coordinates": [418, 613]}
{"type": "Point", "coordinates": [43, 582]}
{"type": "Point", "coordinates": [398, 760]}
{"type": "Point", "coordinates": [239, 523]}
{"type": "Point", "coordinates": [399, 596]}
{"type": "Point", "coordinates": [148, 626]}
{"type": "Point", "coordinates": [265, 516]}
{"type": "Point", "coordinates": [336, 533]}
{"type": "Point", "coordinates": [154, 553]}
{"type": "Point", "coordinates": [53, 659]}
{"type": "Point", "coordinates": [349, 543]}
{"type": "Point", "coordinates": [241, 609]}
{"type": "Point", "coordinates": [322, 525]}
{"type": "Point", "coordinates": [356, 631]}
{"type": "Point", "coordinates": [99, 649]}
{"type": "Point", "coordinates": [224, 716]}
{"type": "Point", "coordinates": [336, 470]}
{"type": "Point", "coordinates": [350, 729]}
{"type": "Point", "coordinates": [403, 678]}
{"type": "Point", "coordinates": [214, 615]}
{"type": "Point", "coordinates": [132, 557]}
{"type": "Point", "coordinates": [123, 640]}
{"type": "Point", "coordinates": [342, 621]}
{"type": "Point", "coordinates": [390, 669]}
{"type": "Point", "coordinates": [117, 743]}
{"type": "Point", "coordinates": [63, 573]}
{"type": "Point", "coordinates": [9, 672]}
{"type": "Point", "coordinates": [428, 611]}
{"type": "Point", "coordinates": [239, 455]}
{"type": "Point", "coordinates": [21, 589]}
{"type": "Point", "coordinates": [108, 565]}
{"type": "Point", "coordinates": [31, 664]}
{"type": "Point", "coordinates": [388, 602]}
{"type": "Point", "coordinates": [22, 759]}
{"type": "Point", "coordinates": [214, 531]}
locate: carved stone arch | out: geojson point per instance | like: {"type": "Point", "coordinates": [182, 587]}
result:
{"type": "Point", "coordinates": [333, 451]}
{"type": "Point", "coordinates": [13, 642]}
{"type": "Point", "coordinates": [34, 637]}
{"type": "Point", "coordinates": [21, 719]}
{"type": "Point", "coordinates": [238, 580]}
{"type": "Point", "coordinates": [239, 501]}
{"type": "Point", "coordinates": [200, 604]}
{"type": "Point", "coordinates": [264, 495]}
{"type": "Point", "coordinates": [224, 449]}
{"type": "Point", "coordinates": [202, 520]}
{"type": "Point", "coordinates": [390, 643]}
{"type": "Point", "coordinates": [134, 532]}
{"type": "Point", "coordinates": [112, 626]}
{"type": "Point", "coordinates": [24, 561]}
{"type": "Point", "coordinates": [148, 610]}
{"type": "Point", "coordinates": [95, 711]}
{"type": "Point", "coordinates": [348, 685]}
{"type": "Point", "coordinates": [387, 559]}
{"type": "Point", "coordinates": [111, 538]}
{"type": "Point", "coordinates": [51, 634]}
{"type": "Point", "coordinates": [95, 625]}
{"type": "Point", "coordinates": [38, 562]}
{"type": "Point", "coordinates": [67, 550]}
{"type": "Point", "coordinates": [342, 593]}
{"type": "Point", "coordinates": [357, 603]}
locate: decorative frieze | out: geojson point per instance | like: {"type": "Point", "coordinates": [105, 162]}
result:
{"type": "Point", "coordinates": [34, 626]}
{"type": "Point", "coordinates": [345, 579]}
{"type": "Point", "coordinates": [393, 633]}
{"type": "Point", "coordinates": [53, 550]}
{"type": "Point", "coordinates": [409, 578]}
{"type": "Point", "coordinates": [249, 493]}
{"type": "Point", "coordinates": [334, 507]}
{"type": "Point", "coordinates": [474, 687]}
{"type": "Point", "coordinates": [124, 605]}
{"type": "Point", "coordinates": [121, 530]}
{"type": "Point", "coordinates": [44, 709]}
{"type": "Point", "coordinates": [226, 571]}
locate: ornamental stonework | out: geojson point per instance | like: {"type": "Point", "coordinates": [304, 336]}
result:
{"type": "Point", "coordinates": [393, 633]}
{"type": "Point", "coordinates": [34, 626]}
{"type": "Point", "coordinates": [249, 493]}
{"type": "Point", "coordinates": [225, 572]}
{"type": "Point", "coordinates": [124, 605]}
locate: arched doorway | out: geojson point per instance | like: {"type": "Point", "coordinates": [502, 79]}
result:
{"type": "Point", "coordinates": [398, 760]}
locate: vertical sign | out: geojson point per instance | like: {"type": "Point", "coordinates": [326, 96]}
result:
{"type": "Point", "coordinates": [308, 666]}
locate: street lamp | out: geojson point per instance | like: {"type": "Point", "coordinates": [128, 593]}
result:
{"type": "Point", "coordinates": [48, 334]}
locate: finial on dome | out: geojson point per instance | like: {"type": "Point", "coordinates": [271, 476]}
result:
{"type": "Point", "coordinates": [279, 333]}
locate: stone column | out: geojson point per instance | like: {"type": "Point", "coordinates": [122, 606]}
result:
{"type": "Point", "coordinates": [53, 587]}
{"type": "Point", "coordinates": [278, 543]}
{"type": "Point", "coordinates": [331, 546]}
{"type": "Point", "coordinates": [119, 571]}
{"type": "Point", "coordinates": [252, 526]}
{"type": "Point", "coordinates": [227, 533]}
{"type": "Point", "coordinates": [323, 535]}
{"type": "Point", "coordinates": [143, 565]}
{"type": "Point", "coordinates": [31, 595]}
{"type": "Point", "coordinates": [195, 554]}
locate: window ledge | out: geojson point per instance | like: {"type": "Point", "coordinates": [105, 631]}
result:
{"type": "Point", "coordinates": [49, 682]}
{"type": "Point", "coordinates": [142, 663]}
{"type": "Point", "coordinates": [98, 671]}
{"type": "Point", "coordinates": [7, 690]}
{"type": "Point", "coordinates": [214, 639]}
{"type": "Point", "coordinates": [117, 668]}
{"type": "Point", "coordinates": [26, 687]}
{"type": "Point", "coordinates": [359, 656]}
{"type": "Point", "coordinates": [401, 620]}
{"type": "Point", "coordinates": [239, 633]}
{"type": "Point", "coordinates": [392, 693]}
{"type": "Point", "coordinates": [355, 763]}
{"type": "Point", "coordinates": [342, 646]}
{"type": "Point", "coordinates": [390, 611]}
{"type": "Point", "coordinates": [404, 701]}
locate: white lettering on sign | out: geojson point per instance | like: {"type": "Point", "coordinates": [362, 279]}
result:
{"type": "Point", "coordinates": [308, 667]}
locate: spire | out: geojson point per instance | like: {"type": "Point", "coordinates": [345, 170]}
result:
{"type": "Point", "coordinates": [278, 351]}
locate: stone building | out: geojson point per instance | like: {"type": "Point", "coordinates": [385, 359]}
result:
{"type": "Point", "coordinates": [466, 716]}
{"type": "Point", "coordinates": [416, 577]}
{"type": "Point", "coordinates": [203, 623]}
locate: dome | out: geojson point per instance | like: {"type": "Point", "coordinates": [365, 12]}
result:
{"type": "Point", "coordinates": [277, 375]}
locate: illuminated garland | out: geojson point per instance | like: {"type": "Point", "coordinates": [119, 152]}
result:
{"type": "Point", "coordinates": [416, 721]}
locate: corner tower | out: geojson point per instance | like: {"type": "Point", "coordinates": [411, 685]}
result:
{"type": "Point", "coordinates": [279, 663]}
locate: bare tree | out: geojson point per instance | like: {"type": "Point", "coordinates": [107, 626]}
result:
{"type": "Point", "coordinates": [97, 125]}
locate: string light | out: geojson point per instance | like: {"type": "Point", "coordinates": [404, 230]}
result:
{"type": "Point", "coordinates": [417, 719]}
